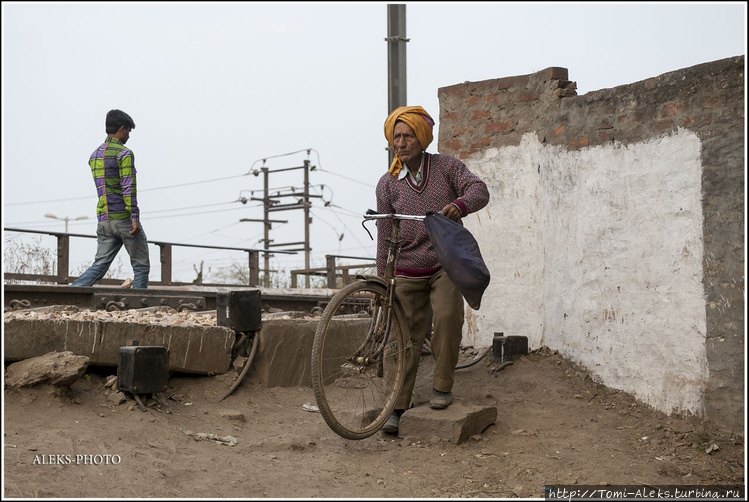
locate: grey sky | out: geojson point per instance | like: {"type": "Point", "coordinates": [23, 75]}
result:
{"type": "Point", "coordinates": [216, 87]}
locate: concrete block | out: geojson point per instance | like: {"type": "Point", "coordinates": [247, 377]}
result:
{"type": "Point", "coordinates": [456, 423]}
{"type": "Point", "coordinates": [192, 349]}
{"type": "Point", "coordinates": [284, 353]}
{"type": "Point", "coordinates": [57, 368]}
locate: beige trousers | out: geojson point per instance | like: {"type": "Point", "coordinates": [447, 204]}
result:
{"type": "Point", "coordinates": [417, 296]}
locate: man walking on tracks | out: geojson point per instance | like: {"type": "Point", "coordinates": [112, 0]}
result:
{"type": "Point", "coordinates": [113, 168]}
{"type": "Point", "coordinates": [441, 184]}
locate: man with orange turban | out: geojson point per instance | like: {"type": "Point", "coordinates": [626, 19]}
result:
{"type": "Point", "coordinates": [416, 183]}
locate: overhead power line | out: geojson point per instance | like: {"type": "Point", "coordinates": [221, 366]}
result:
{"type": "Point", "coordinates": [193, 183]}
{"type": "Point", "coordinates": [308, 150]}
{"type": "Point", "coordinates": [189, 207]}
{"type": "Point", "coordinates": [47, 201]}
{"type": "Point", "coordinates": [194, 214]}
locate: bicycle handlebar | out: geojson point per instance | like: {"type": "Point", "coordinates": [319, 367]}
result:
{"type": "Point", "coordinates": [374, 215]}
{"type": "Point", "coordinates": [371, 215]}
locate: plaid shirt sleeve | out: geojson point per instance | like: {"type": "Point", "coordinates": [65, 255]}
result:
{"type": "Point", "coordinates": [126, 164]}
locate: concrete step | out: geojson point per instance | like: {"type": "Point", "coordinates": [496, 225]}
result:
{"type": "Point", "coordinates": [456, 423]}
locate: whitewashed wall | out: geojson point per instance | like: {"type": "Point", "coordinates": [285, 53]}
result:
{"type": "Point", "coordinates": [597, 253]}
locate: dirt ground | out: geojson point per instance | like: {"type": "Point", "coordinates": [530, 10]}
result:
{"type": "Point", "coordinates": [555, 426]}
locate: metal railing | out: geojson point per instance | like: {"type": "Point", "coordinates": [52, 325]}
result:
{"type": "Point", "coordinates": [330, 271]}
{"type": "Point", "coordinates": [63, 261]}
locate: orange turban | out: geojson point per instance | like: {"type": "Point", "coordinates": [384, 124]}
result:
{"type": "Point", "coordinates": [419, 120]}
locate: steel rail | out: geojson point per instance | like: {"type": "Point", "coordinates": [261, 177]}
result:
{"type": "Point", "coordinates": [34, 296]}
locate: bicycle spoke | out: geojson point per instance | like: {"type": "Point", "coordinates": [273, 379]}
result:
{"type": "Point", "coordinates": [356, 379]}
{"type": "Point", "coordinates": [359, 351]}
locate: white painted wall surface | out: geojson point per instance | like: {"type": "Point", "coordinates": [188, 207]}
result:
{"type": "Point", "coordinates": [597, 253]}
{"type": "Point", "coordinates": [509, 233]}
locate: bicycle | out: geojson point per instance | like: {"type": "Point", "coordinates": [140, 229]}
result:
{"type": "Point", "coordinates": [360, 348]}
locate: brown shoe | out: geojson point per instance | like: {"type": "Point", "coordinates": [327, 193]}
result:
{"type": "Point", "coordinates": [440, 400]}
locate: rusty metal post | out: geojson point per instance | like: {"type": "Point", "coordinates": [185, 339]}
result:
{"type": "Point", "coordinates": [166, 263]}
{"type": "Point", "coordinates": [63, 258]}
{"type": "Point", "coordinates": [254, 275]}
{"type": "Point", "coordinates": [330, 265]}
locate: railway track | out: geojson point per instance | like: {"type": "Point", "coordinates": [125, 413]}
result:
{"type": "Point", "coordinates": [197, 298]}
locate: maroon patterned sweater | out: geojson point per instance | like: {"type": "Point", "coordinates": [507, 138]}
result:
{"type": "Point", "coordinates": [446, 180]}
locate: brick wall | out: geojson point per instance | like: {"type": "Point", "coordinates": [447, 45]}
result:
{"type": "Point", "coordinates": [615, 233]}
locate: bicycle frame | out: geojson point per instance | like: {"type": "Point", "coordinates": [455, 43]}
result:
{"type": "Point", "coordinates": [358, 367]}
{"type": "Point", "coordinates": [392, 258]}
{"type": "Point", "coordinates": [394, 249]}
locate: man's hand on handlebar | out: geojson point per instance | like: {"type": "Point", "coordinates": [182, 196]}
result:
{"type": "Point", "coordinates": [452, 212]}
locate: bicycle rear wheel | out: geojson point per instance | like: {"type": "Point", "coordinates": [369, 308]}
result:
{"type": "Point", "coordinates": [356, 375]}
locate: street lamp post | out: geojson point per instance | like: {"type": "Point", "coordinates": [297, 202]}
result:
{"type": "Point", "coordinates": [65, 219]}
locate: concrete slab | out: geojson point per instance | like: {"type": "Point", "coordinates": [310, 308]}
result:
{"type": "Point", "coordinates": [284, 353]}
{"type": "Point", "coordinates": [192, 349]}
{"type": "Point", "coordinates": [455, 424]}
{"type": "Point", "coordinates": [283, 358]}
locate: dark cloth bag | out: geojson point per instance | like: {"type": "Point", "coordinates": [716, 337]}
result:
{"type": "Point", "coordinates": [459, 255]}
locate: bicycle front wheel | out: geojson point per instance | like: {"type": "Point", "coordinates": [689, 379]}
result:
{"type": "Point", "coordinates": [358, 360]}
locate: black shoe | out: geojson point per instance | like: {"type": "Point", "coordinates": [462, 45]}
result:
{"type": "Point", "coordinates": [440, 400]}
{"type": "Point", "coordinates": [391, 426]}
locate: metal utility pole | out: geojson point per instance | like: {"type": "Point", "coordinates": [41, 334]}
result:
{"type": "Point", "coordinates": [396, 40]}
{"type": "Point", "coordinates": [306, 222]}
{"type": "Point", "coordinates": [267, 224]}
{"type": "Point", "coordinates": [273, 204]}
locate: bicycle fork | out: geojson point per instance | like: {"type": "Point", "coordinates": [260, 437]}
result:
{"type": "Point", "coordinates": [379, 333]}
